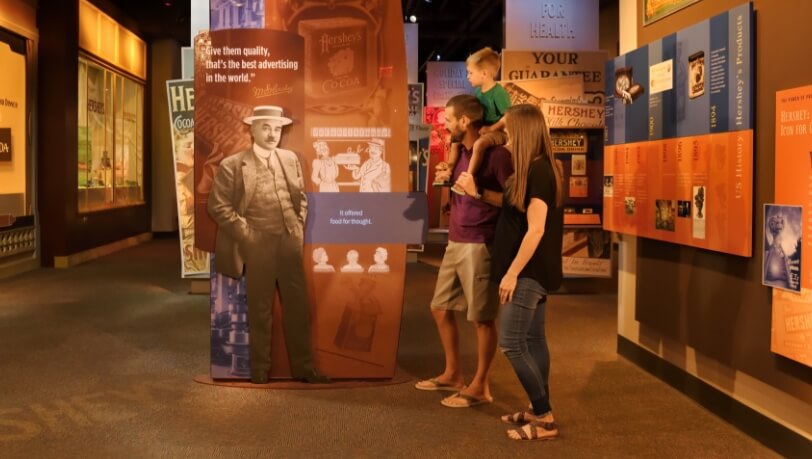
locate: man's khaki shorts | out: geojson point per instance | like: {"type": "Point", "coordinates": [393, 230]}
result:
{"type": "Point", "coordinates": [463, 282]}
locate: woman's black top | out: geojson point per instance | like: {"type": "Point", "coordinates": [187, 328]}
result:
{"type": "Point", "coordinates": [545, 264]}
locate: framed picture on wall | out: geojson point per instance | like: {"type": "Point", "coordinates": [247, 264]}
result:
{"type": "Point", "coordinates": [654, 10]}
{"type": "Point", "coordinates": [783, 242]}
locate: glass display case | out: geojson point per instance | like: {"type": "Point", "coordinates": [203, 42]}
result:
{"type": "Point", "coordinates": [111, 138]}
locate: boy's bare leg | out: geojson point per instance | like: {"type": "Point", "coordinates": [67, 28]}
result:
{"type": "Point", "coordinates": [481, 144]}
{"type": "Point", "coordinates": [453, 156]}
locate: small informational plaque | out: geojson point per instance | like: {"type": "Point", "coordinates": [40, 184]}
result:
{"type": "Point", "coordinates": [5, 144]}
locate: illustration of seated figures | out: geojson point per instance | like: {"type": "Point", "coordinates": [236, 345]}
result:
{"type": "Point", "coordinates": [352, 265]}
{"type": "Point", "coordinates": [321, 259]}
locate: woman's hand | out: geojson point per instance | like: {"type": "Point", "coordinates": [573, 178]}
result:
{"type": "Point", "coordinates": [507, 287]}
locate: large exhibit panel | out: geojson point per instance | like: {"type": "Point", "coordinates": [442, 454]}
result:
{"type": "Point", "coordinates": [338, 71]}
{"type": "Point", "coordinates": [787, 244]}
{"type": "Point", "coordinates": [679, 137]}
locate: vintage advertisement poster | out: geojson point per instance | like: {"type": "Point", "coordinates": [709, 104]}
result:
{"type": "Point", "coordinates": [561, 89]}
{"type": "Point", "coordinates": [332, 75]}
{"type": "Point", "coordinates": [562, 25]}
{"type": "Point", "coordinates": [587, 252]}
{"type": "Point", "coordinates": [787, 227]}
{"type": "Point", "coordinates": [569, 141]}
{"type": "Point", "coordinates": [572, 116]}
{"type": "Point", "coordinates": [181, 101]}
{"type": "Point", "coordinates": [12, 131]}
{"type": "Point", "coordinates": [445, 80]}
{"type": "Point", "coordinates": [439, 145]}
{"type": "Point", "coordinates": [711, 175]}
{"type": "Point", "coordinates": [540, 65]}
{"type": "Point", "coordinates": [654, 10]}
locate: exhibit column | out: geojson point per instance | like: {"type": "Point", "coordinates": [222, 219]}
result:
{"type": "Point", "coordinates": [627, 326]}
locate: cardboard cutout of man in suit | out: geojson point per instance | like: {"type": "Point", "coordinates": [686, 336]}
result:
{"type": "Point", "coordinates": [259, 204]}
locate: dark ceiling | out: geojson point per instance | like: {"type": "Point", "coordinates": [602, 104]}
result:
{"type": "Point", "coordinates": [155, 19]}
{"type": "Point", "coordinates": [451, 29]}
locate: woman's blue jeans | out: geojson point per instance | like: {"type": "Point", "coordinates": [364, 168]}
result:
{"type": "Point", "coordinates": [522, 340]}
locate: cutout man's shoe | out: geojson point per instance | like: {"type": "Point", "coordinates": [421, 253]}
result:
{"type": "Point", "coordinates": [259, 377]}
{"type": "Point", "coordinates": [314, 377]}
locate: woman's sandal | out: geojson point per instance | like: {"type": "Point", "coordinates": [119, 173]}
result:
{"type": "Point", "coordinates": [519, 417]}
{"type": "Point", "coordinates": [536, 430]}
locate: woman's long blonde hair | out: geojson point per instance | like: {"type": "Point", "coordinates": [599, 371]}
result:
{"type": "Point", "coordinates": [528, 141]}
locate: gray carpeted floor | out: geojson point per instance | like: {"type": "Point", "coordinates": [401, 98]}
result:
{"type": "Point", "coordinates": [99, 360]}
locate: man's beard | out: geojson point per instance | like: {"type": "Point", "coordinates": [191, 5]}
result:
{"type": "Point", "coordinates": [457, 136]}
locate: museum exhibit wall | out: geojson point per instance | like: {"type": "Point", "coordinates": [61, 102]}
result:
{"type": "Point", "coordinates": [18, 56]}
{"type": "Point", "coordinates": [66, 230]}
{"type": "Point", "coordinates": [164, 65]}
{"type": "Point", "coordinates": [707, 312]}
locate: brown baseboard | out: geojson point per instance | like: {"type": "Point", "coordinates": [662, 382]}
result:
{"type": "Point", "coordinates": [761, 428]}
{"type": "Point", "coordinates": [97, 252]}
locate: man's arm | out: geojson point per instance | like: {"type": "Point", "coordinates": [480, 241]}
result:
{"type": "Point", "coordinates": [220, 205]}
{"type": "Point", "coordinates": [303, 202]}
{"type": "Point", "coordinates": [467, 183]}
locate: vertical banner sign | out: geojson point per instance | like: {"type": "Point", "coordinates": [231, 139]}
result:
{"type": "Point", "coordinates": [417, 130]}
{"type": "Point", "coordinates": [187, 63]}
{"type": "Point", "coordinates": [563, 25]}
{"type": "Point", "coordinates": [181, 98]}
{"type": "Point", "coordinates": [410, 34]}
{"type": "Point", "coordinates": [787, 227]}
{"type": "Point", "coordinates": [416, 103]}
{"type": "Point", "coordinates": [337, 70]}
{"type": "Point", "coordinates": [12, 129]}
{"type": "Point", "coordinates": [199, 17]}
{"type": "Point", "coordinates": [679, 137]}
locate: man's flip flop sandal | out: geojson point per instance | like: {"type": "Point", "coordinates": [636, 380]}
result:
{"type": "Point", "coordinates": [465, 401]}
{"type": "Point", "coordinates": [436, 384]}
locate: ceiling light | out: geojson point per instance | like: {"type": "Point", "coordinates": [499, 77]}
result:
{"type": "Point", "coordinates": [413, 19]}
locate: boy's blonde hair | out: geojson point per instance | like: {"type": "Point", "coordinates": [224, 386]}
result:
{"type": "Point", "coordinates": [486, 58]}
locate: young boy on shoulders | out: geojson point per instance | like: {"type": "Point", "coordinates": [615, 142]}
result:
{"type": "Point", "coordinates": [483, 66]}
